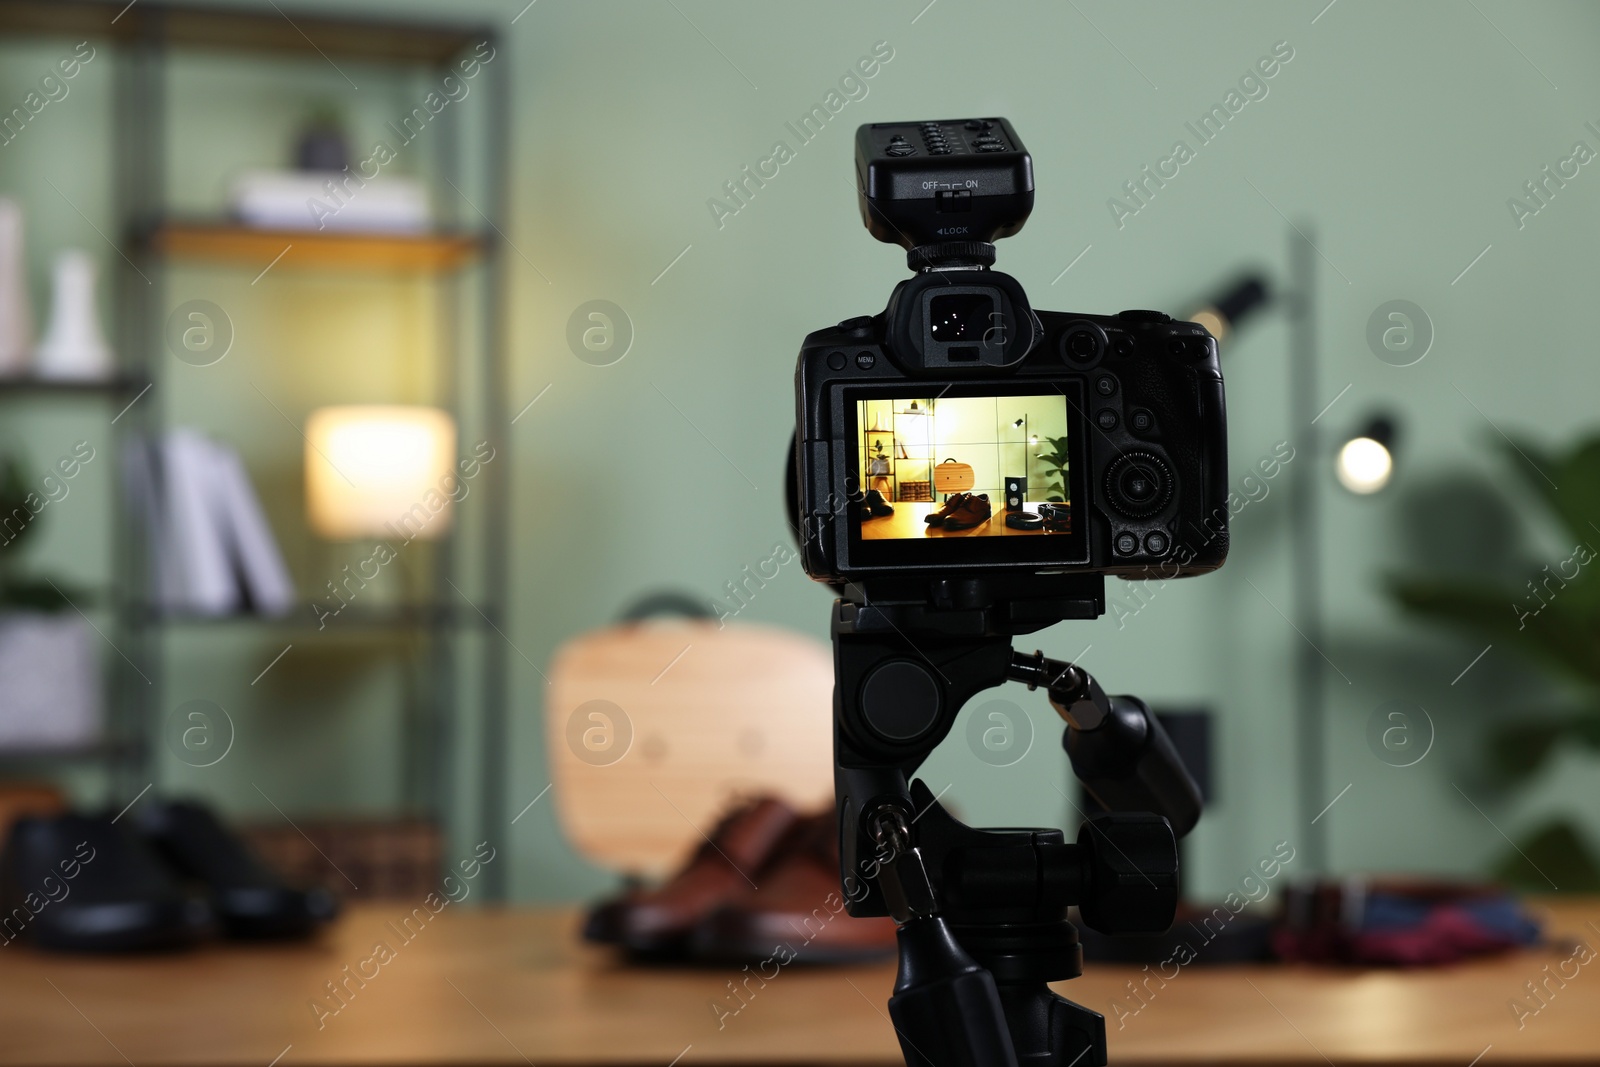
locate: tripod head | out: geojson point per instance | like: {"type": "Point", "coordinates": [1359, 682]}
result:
{"type": "Point", "coordinates": [982, 914]}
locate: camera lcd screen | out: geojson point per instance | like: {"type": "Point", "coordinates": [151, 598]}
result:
{"type": "Point", "coordinates": [964, 467]}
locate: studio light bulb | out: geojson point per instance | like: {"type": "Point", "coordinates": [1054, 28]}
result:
{"type": "Point", "coordinates": [1212, 320]}
{"type": "Point", "coordinates": [1364, 465]}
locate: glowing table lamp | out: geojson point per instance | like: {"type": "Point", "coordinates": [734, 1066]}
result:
{"type": "Point", "coordinates": [380, 471]}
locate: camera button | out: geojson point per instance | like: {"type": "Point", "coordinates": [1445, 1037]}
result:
{"type": "Point", "coordinates": [837, 360]}
{"type": "Point", "coordinates": [1105, 385]}
{"type": "Point", "coordinates": [1126, 543]}
{"type": "Point", "coordinates": [1083, 342]}
{"type": "Point", "coordinates": [866, 360]}
{"type": "Point", "coordinates": [1137, 485]}
{"type": "Point", "coordinates": [1142, 421]}
{"type": "Point", "coordinates": [1136, 315]}
{"type": "Point", "coordinates": [1106, 419]}
{"type": "Point", "coordinates": [1156, 543]}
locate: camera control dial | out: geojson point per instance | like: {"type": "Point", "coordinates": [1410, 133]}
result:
{"type": "Point", "coordinates": [1138, 484]}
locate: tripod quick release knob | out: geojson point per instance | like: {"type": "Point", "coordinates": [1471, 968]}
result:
{"type": "Point", "coordinates": [1130, 862]}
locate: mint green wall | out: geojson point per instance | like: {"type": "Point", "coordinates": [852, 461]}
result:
{"type": "Point", "coordinates": [1397, 131]}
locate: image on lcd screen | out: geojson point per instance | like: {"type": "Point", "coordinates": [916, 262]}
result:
{"type": "Point", "coordinates": [936, 467]}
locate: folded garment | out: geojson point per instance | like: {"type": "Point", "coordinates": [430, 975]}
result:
{"type": "Point", "coordinates": [1400, 924]}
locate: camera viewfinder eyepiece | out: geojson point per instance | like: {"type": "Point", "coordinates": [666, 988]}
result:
{"type": "Point", "coordinates": [944, 190]}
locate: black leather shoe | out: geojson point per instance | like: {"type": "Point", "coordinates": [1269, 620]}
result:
{"type": "Point", "coordinates": [879, 507]}
{"type": "Point", "coordinates": [603, 925]}
{"type": "Point", "coordinates": [250, 900]}
{"type": "Point", "coordinates": [84, 883]}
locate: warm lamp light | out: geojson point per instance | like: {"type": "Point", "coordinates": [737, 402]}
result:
{"type": "Point", "coordinates": [1212, 320]}
{"type": "Point", "coordinates": [1221, 315]}
{"type": "Point", "coordinates": [379, 471]}
{"type": "Point", "coordinates": [1364, 465]}
{"type": "Point", "coordinates": [1366, 461]}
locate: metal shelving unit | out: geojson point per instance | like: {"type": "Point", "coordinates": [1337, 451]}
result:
{"type": "Point", "coordinates": [142, 39]}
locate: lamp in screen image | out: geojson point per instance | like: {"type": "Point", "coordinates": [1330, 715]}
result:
{"type": "Point", "coordinates": [379, 471]}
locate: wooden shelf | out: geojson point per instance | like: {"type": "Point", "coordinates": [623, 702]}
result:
{"type": "Point", "coordinates": [30, 386]}
{"type": "Point", "coordinates": [292, 28]}
{"type": "Point", "coordinates": [95, 752]}
{"type": "Point", "coordinates": [304, 616]}
{"type": "Point", "coordinates": [313, 249]}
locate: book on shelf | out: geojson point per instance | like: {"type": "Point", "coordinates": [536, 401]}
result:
{"type": "Point", "coordinates": [212, 550]}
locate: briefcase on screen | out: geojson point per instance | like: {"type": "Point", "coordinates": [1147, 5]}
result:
{"type": "Point", "coordinates": [953, 477]}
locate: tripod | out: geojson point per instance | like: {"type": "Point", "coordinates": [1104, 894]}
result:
{"type": "Point", "coordinates": [982, 913]}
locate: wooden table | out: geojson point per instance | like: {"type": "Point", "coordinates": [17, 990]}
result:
{"type": "Point", "coordinates": [907, 522]}
{"type": "Point", "coordinates": [515, 988]}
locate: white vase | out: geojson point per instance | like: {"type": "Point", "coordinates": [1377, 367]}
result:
{"type": "Point", "coordinates": [73, 346]}
{"type": "Point", "coordinates": [16, 318]}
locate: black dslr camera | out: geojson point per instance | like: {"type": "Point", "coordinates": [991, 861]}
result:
{"type": "Point", "coordinates": [1116, 422]}
{"type": "Point", "coordinates": [967, 470]}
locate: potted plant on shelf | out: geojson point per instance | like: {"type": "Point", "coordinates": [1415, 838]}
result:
{"type": "Point", "coordinates": [49, 673]}
{"type": "Point", "coordinates": [1552, 621]}
{"type": "Point", "coordinates": [1055, 462]}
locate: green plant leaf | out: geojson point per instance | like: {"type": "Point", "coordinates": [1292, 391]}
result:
{"type": "Point", "coordinates": [1553, 858]}
{"type": "Point", "coordinates": [14, 494]}
{"type": "Point", "coordinates": [1552, 620]}
{"type": "Point", "coordinates": [1569, 484]}
{"type": "Point", "coordinates": [1563, 633]}
{"type": "Point", "coordinates": [1518, 750]}
{"type": "Point", "coordinates": [37, 595]}
{"type": "Point", "coordinates": [1059, 451]}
